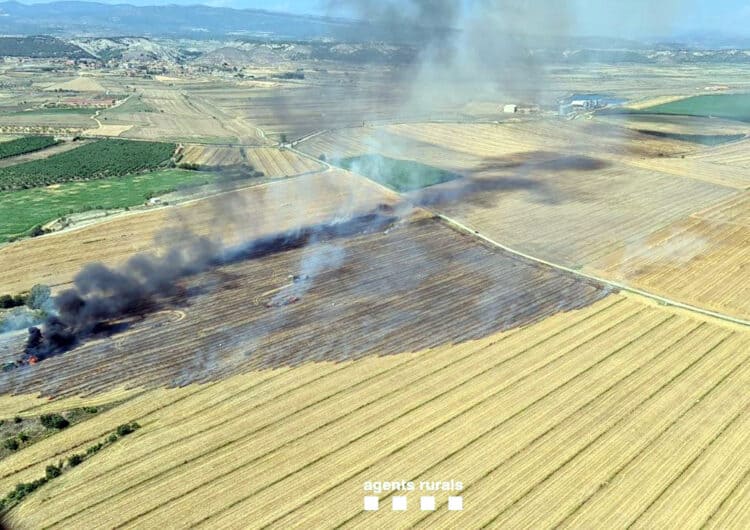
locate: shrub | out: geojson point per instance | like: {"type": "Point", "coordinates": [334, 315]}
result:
{"type": "Point", "coordinates": [23, 437]}
{"type": "Point", "coordinates": [74, 460]}
{"type": "Point", "coordinates": [7, 301]}
{"type": "Point", "coordinates": [112, 438]}
{"type": "Point", "coordinates": [17, 419]}
{"type": "Point", "coordinates": [52, 471]}
{"type": "Point", "coordinates": [38, 296]}
{"type": "Point", "coordinates": [94, 449]}
{"type": "Point", "coordinates": [124, 429]}
{"type": "Point", "coordinates": [10, 444]}
{"type": "Point", "coordinates": [91, 410]}
{"type": "Point", "coordinates": [54, 421]}
{"type": "Point", "coordinates": [36, 231]}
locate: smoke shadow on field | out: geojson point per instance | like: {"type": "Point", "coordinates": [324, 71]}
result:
{"type": "Point", "coordinates": [529, 172]}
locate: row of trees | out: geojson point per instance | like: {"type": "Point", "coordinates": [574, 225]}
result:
{"type": "Point", "coordinates": [27, 144]}
{"type": "Point", "coordinates": [34, 299]}
{"type": "Point", "coordinates": [100, 159]}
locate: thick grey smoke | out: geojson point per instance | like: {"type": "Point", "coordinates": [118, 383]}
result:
{"type": "Point", "coordinates": [470, 50]}
{"type": "Point", "coordinates": [102, 296]}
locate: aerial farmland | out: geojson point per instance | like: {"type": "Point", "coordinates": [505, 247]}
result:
{"type": "Point", "coordinates": [394, 266]}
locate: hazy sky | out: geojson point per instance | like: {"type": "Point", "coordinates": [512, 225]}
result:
{"type": "Point", "coordinates": [614, 18]}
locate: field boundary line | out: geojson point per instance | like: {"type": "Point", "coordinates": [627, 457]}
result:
{"type": "Point", "coordinates": [591, 277]}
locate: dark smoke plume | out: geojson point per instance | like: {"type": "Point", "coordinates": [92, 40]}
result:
{"type": "Point", "coordinates": [102, 296]}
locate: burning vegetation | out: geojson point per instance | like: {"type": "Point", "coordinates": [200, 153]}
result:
{"type": "Point", "coordinates": [103, 299]}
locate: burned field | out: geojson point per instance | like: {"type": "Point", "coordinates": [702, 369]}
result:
{"type": "Point", "coordinates": [383, 291]}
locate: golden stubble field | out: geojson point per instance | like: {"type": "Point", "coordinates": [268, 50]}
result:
{"type": "Point", "coordinates": [272, 161]}
{"type": "Point", "coordinates": [621, 413]}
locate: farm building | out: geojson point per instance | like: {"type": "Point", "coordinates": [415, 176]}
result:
{"type": "Point", "coordinates": [583, 102]}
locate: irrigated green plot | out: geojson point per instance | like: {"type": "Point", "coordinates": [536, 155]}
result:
{"type": "Point", "coordinates": [399, 175]}
{"type": "Point", "coordinates": [21, 210]}
{"type": "Point", "coordinates": [729, 106]}
{"type": "Point", "coordinates": [27, 144]}
{"type": "Point", "coordinates": [101, 159]}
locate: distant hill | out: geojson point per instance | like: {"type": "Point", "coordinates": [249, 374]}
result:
{"type": "Point", "coordinates": [40, 46]}
{"type": "Point", "coordinates": [196, 21]}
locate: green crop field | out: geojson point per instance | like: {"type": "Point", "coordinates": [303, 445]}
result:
{"type": "Point", "coordinates": [729, 106]}
{"type": "Point", "coordinates": [399, 175]}
{"type": "Point", "coordinates": [27, 144]}
{"type": "Point", "coordinates": [101, 159]}
{"type": "Point", "coordinates": [21, 210]}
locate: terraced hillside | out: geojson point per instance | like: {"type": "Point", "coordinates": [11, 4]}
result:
{"type": "Point", "coordinates": [621, 413]}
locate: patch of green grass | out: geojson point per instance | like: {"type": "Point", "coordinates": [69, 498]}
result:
{"type": "Point", "coordinates": [23, 209]}
{"type": "Point", "coordinates": [399, 175]}
{"type": "Point", "coordinates": [728, 106]}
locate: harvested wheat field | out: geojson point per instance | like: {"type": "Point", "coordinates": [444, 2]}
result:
{"type": "Point", "coordinates": [271, 161]}
{"type": "Point", "coordinates": [578, 137]}
{"type": "Point", "coordinates": [734, 154]}
{"type": "Point", "coordinates": [391, 284]}
{"type": "Point", "coordinates": [78, 84]}
{"type": "Point", "coordinates": [571, 210]}
{"type": "Point", "coordinates": [280, 162]}
{"type": "Point", "coordinates": [212, 156]}
{"type": "Point", "coordinates": [619, 413]}
{"type": "Point", "coordinates": [703, 260]}
{"type": "Point", "coordinates": [234, 216]}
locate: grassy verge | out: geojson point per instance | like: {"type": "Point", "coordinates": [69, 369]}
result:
{"type": "Point", "coordinates": [53, 471]}
{"type": "Point", "coordinates": [399, 175]}
{"type": "Point", "coordinates": [22, 210]}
